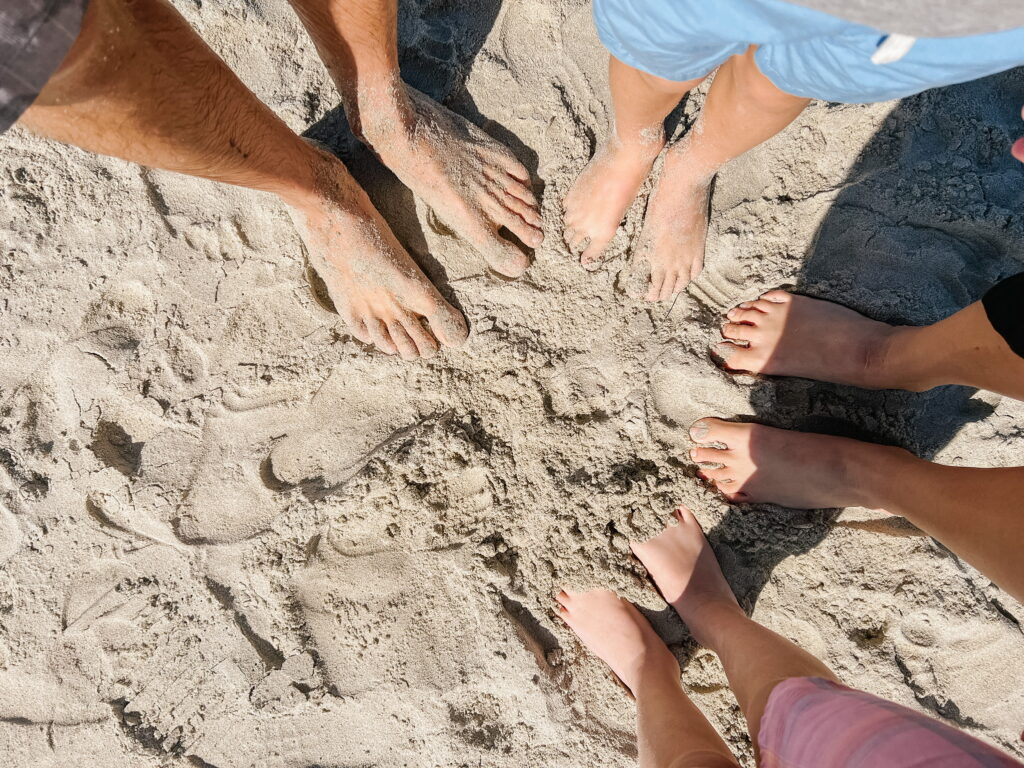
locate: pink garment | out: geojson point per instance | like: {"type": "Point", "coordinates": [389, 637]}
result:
{"type": "Point", "coordinates": [814, 723]}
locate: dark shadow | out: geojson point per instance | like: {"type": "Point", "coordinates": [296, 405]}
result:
{"type": "Point", "coordinates": [438, 42]}
{"type": "Point", "coordinates": [926, 222]}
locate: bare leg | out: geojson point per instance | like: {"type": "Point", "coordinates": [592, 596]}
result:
{"type": "Point", "coordinates": [671, 731]}
{"type": "Point", "coordinates": [742, 110]}
{"type": "Point", "coordinates": [471, 181]}
{"type": "Point", "coordinates": [605, 189]}
{"type": "Point", "coordinates": [973, 512]}
{"type": "Point", "coordinates": [684, 567]}
{"type": "Point", "coordinates": [787, 335]}
{"type": "Point", "coordinates": [139, 84]}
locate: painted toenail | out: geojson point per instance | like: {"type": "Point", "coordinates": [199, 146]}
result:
{"type": "Point", "coordinates": [700, 430]}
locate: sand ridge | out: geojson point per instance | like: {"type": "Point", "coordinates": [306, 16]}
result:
{"type": "Point", "coordinates": [232, 535]}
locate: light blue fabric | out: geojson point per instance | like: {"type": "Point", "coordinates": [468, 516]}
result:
{"type": "Point", "coordinates": [803, 51]}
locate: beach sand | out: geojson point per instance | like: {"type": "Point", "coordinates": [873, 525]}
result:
{"type": "Point", "coordinates": [233, 536]}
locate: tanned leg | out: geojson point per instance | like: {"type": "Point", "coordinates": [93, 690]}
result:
{"type": "Point", "coordinates": [976, 513]}
{"type": "Point", "coordinates": [783, 334]}
{"type": "Point", "coordinates": [604, 191]}
{"type": "Point", "coordinates": [742, 110]}
{"type": "Point", "coordinates": [139, 84]}
{"type": "Point", "coordinates": [755, 659]}
{"type": "Point", "coordinates": [671, 731]}
{"type": "Point", "coordinates": [472, 182]}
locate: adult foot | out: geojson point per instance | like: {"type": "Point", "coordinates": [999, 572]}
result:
{"type": "Point", "coordinates": [686, 571]}
{"type": "Point", "coordinates": [474, 184]}
{"type": "Point", "coordinates": [670, 252]}
{"type": "Point", "coordinates": [754, 463]}
{"type": "Point", "coordinates": [375, 285]}
{"type": "Point", "coordinates": [603, 192]}
{"type": "Point", "coordinates": [783, 334]}
{"type": "Point", "coordinates": [614, 631]}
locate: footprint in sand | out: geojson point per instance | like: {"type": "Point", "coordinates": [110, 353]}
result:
{"type": "Point", "coordinates": [388, 619]}
{"type": "Point", "coordinates": [350, 418]}
{"type": "Point", "coordinates": [964, 670]}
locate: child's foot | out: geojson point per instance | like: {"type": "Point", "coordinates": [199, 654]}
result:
{"type": "Point", "coordinates": [603, 192]}
{"type": "Point", "coordinates": [670, 252]}
{"type": "Point", "coordinates": [687, 573]}
{"type": "Point", "coordinates": [375, 285]}
{"type": "Point", "coordinates": [783, 334]}
{"type": "Point", "coordinates": [614, 630]}
{"type": "Point", "coordinates": [754, 463]}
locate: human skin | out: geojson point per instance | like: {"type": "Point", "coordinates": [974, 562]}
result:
{"type": "Point", "coordinates": [743, 109]}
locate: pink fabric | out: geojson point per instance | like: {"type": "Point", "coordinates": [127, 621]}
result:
{"type": "Point", "coordinates": [814, 723]}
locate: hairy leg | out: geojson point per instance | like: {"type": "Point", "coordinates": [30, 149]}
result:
{"type": "Point", "coordinates": [604, 191]}
{"type": "Point", "coordinates": [743, 109]}
{"type": "Point", "coordinates": [755, 659]}
{"type": "Point", "coordinates": [139, 84]}
{"type": "Point", "coordinates": [473, 183]}
{"type": "Point", "coordinates": [974, 512]}
{"type": "Point", "coordinates": [783, 334]}
{"type": "Point", "coordinates": [671, 731]}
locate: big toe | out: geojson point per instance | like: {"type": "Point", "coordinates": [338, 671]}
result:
{"type": "Point", "coordinates": [504, 257]}
{"type": "Point", "coordinates": [448, 325]}
{"type": "Point", "coordinates": [713, 430]}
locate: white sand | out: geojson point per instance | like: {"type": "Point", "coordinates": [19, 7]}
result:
{"type": "Point", "coordinates": [234, 536]}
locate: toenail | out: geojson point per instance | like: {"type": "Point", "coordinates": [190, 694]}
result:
{"type": "Point", "coordinates": [693, 454]}
{"type": "Point", "coordinates": [700, 430]}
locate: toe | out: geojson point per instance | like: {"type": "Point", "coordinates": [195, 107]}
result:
{"type": "Point", "coordinates": [748, 316]}
{"type": "Point", "coordinates": [406, 346]}
{"type": "Point", "coordinates": [594, 251]}
{"type": "Point", "coordinates": [713, 430]}
{"type": "Point", "coordinates": [668, 285]}
{"type": "Point", "coordinates": [657, 279]}
{"type": "Point", "coordinates": [379, 335]}
{"type": "Point", "coordinates": [504, 257]}
{"type": "Point", "coordinates": [777, 297]}
{"type": "Point", "coordinates": [507, 162]}
{"type": "Point", "coordinates": [706, 455]}
{"type": "Point", "coordinates": [448, 325]}
{"type": "Point", "coordinates": [426, 344]}
{"type": "Point", "coordinates": [739, 331]}
{"type": "Point", "coordinates": [518, 217]}
{"type": "Point", "coordinates": [736, 358]}
{"type": "Point", "coordinates": [520, 190]}
{"type": "Point", "coordinates": [682, 281]}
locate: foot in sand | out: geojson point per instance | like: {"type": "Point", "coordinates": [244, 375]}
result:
{"type": "Point", "coordinates": [603, 192]}
{"type": "Point", "coordinates": [783, 334]}
{"type": "Point", "coordinates": [473, 183]}
{"type": "Point", "coordinates": [374, 284]}
{"type": "Point", "coordinates": [687, 574]}
{"type": "Point", "coordinates": [670, 252]}
{"type": "Point", "coordinates": [758, 464]}
{"type": "Point", "coordinates": [614, 631]}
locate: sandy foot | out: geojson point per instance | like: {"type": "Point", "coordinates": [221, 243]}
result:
{"type": "Point", "coordinates": [670, 252]}
{"type": "Point", "coordinates": [602, 194]}
{"type": "Point", "coordinates": [754, 463]}
{"type": "Point", "coordinates": [614, 631]}
{"type": "Point", "coordinates": [686, 571]}
{"type": "Point", "coordinates": [374, 284]}
{"type": "Point", "coordinates": [474, 184]}
{"type": "Point", "coordinates": [783, 334]}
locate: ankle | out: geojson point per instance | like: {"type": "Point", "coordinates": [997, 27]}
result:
{"type": "Point", "coordinates": [709, 617]}
{"type": "Point", "coordinates": [645, 143]}
{"type": "Point", "coordinates": [904, 357]}
{"type": "Point", "coordinates": [382, 115]}
{"type": "Point", "coordinates": [876, 473]}
{"type": "Point", "coordinates": [655, 668]}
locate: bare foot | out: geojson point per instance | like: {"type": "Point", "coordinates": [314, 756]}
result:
{"type": "Point", "coordinates": [687, 573]}
{"type": "Point", "coordinates": [474, 184]}
{"type": "Point", "coordinates": [754, 463]}
{"type": "Point", "coordinates": [783, 334]}
{"type": "Point", "coordinates": [670, 252]}
{"type": "Point", "coordinates": [603, 192]}
{"type": "Point", "coordinates": [614, 630]}
{"type": "Point", "coordinates": [374, 284]}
